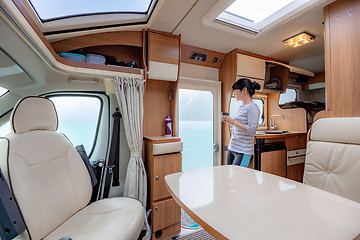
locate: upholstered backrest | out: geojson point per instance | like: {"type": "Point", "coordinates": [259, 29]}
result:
{"type": "Point", "coordinates": [333, 157]}
{"type": "Point", "coordinates": [47, 176]}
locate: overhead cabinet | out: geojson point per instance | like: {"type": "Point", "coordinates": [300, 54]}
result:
{"type": "Point", "coordinates": [163, 56]}
{"type": "Point", "coordinates": [251, 68]}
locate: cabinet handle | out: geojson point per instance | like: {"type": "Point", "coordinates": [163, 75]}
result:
{"type": "Point", "coordinates": [297, 137]}
{"type": "Point", "coordinates": [157, 178]}
{"type": "Point", "coordinates": [157, 208]}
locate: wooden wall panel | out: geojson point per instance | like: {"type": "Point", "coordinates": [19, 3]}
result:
{"type": "Point", "coordinates": [156, 107]}
{"type": "Point", "coordinates": [227, 75]}
{"type": "Point", "coordinates": [186, 51]}
{"type": "Point", "coordinates": [342, 59]}
{"type": "Point", "coordinates": [294, 119]}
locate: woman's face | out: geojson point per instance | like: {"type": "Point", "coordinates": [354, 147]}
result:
{"type": "Point", "coordinates": [240, 94]}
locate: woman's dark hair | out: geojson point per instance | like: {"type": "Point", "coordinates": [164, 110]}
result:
{"type": "Point", "coordinates": [244, 82]}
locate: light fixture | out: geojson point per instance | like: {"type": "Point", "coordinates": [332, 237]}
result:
{"type": "Point", "coordinates": [299, 40]}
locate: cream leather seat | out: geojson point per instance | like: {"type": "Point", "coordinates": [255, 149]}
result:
{"type": "Point", "coordinates": [333, 157]}
{"type": "Point", "coordinates": [52, 186]}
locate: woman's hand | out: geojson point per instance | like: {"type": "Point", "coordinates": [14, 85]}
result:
{"type": "Point", "coordinates": [227, 119]}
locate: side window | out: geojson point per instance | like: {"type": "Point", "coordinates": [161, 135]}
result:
{"type": "Point", "coordinates": [288, 96]}
{"type": "Point", "coordinates": [78, 118]}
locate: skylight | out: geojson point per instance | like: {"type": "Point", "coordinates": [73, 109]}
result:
{"type": "Point", "coordinates": [255, 15]}
{"type": "Point", "coordinates": [3, 91]}
{"type": "Point", "coordinates": [57, 9]}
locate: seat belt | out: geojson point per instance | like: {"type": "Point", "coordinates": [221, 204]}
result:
{"type": "Point", "coordinates": [113, 162]}
{"type": "Point", "coordinates": [81, 150]}
{"type": "Point", "coordinates": [11, 221]}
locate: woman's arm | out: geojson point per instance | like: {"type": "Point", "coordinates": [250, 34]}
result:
{"type": "Point", "coordinates": [234, 122]}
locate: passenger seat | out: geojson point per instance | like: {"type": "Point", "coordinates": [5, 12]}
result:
{"type": "Point", "coordinates": [333, 157]}
{"type": "Point", "coordinates": [52, 186]}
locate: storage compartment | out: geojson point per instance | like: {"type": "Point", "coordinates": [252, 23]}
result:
{"type": "Point", "coordinates": [165, 213]}
{"type": "Point", "coordinates": [164, 165]}
{"type": "Point", "coordinates": [296, 157]}
{"type": "Point", "coordinates": [250, 67]}
{"type": "Point", "coordinates": [73, 57]}
{"type": "Point", "coordinates": [95, 58]}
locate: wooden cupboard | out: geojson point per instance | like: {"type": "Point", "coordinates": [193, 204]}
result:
{"type": "Point", "coordinates": [161, 87]}
{"type": "Point", "coordinates": [165, 212]}
{"type": "Point", "coordinates": [297, 142]}
{"type": "Point", "coordinates": [274, 162]}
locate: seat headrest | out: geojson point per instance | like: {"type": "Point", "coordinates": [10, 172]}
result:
{"type": "Point", "coordinates": [33, 113]}
{"type": "Point", "coordinates": [339, 130]}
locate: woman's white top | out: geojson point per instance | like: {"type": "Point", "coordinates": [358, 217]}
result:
{"type": "Point", "coordinates": [241, 141]}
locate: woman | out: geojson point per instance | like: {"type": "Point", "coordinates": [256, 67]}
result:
{"type": "Point", "coordinates": [245, 122]}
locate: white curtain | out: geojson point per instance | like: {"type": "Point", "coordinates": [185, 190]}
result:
{"type": "Point", "coordinates": [130, 94]}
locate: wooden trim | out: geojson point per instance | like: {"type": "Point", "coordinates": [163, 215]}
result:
{"type": "Point", "coordinates": [186, 51]}
{"type": "Point", "coordinates": [161, 139]}
{"type": "Point", "coordinates": [227, 76]}
{"type": "Point", "coordinates": [259, 56]}
{"type": "Point", "coordinates": [164, 33]}
{"type": "Point", "coordinates": [289, 134]}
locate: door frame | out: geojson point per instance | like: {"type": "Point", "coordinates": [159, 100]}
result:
{"type": "Point", "coordinates": [215, 88]}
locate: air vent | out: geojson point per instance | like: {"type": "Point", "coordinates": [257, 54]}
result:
{"type": "Point", "coordinates": [198, 56]}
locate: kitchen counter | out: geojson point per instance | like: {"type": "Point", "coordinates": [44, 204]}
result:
{"type": "Point", "coordinates": [287, 134]}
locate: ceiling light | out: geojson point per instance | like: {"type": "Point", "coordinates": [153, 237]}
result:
{"type": "Point", "coordinates": [299, 40]}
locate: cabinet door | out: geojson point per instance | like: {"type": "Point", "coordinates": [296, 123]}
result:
{"type": "Point", "coordinates": [274, 162]}
{"type": "Point", "coordinates": [295, 142]}
{"type": "Point", "coordinates": [163, 56]}
{"type": "Point", "coordinates": [252, 67]}
{"type": "Point", "coordinates": [164, 165]}
{"type": "Point", "coordinates": [164, 214]}
{"type": "Point", "coordinates": [296, 172]}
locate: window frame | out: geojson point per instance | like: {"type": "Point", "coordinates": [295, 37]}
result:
{"type": "Point", "coordinates": [290, 87]}
{"type": "Point", "coordinates": [147, 12]}
{"type": "Point", "coordinates": [50, 95]}
{"type": "Point", "coordinates": [236, 21]}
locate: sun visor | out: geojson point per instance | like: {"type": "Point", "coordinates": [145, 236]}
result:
{"type": "Point", "coordinates": [294, 69]}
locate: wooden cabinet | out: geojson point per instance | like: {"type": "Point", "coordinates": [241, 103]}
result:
{"type": "Point", "coordinates": [124, 46]}
{"type": "Point", "coordinates": [161, 87]}
{"type": "Point", "coordinates": [165, 212]}
{"type": "Point", "coordinates": [297, 142]}
{"type": "Point", "coordinates": [274, 162]}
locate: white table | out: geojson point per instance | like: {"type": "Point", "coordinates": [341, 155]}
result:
{"type": "Point", "coordinates": [232, 202]}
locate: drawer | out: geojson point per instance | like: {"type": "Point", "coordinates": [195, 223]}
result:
{"type": "Point", "coordinates": [164, 165]}
{"type": "Point", "coordinates": [165, 213]}
{"type": "Point", "coordinates": [295, 142]}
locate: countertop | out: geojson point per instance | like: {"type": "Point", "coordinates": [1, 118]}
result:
{"type": "Point", "coordinates": [287, 134]}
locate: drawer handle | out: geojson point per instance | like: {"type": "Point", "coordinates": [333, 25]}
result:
{"type": "Point", "coordinates": [157, 208]}
{"type": "Point", "coordinates": [297, 137]}
{"type": "Point", "coordinates": [157, 178]}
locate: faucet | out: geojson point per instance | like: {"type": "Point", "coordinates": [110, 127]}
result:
{"type": "Point", "coordinates": [272, 124]}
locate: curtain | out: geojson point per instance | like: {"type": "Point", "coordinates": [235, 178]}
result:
{"type": "Point", "coordinates": [130, 94]}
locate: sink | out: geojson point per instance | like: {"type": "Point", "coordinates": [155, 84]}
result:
{"type": "Point", "coordinates": [276, 131]}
